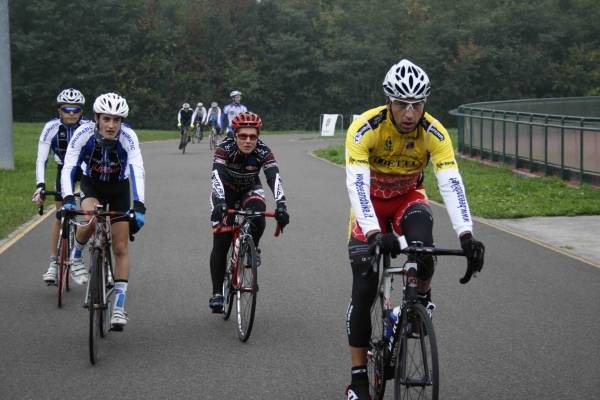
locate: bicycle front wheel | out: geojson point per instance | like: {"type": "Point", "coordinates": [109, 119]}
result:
{"type": "Point", "coordinates": [95, 304]}
{"type": "Point", "coordinates": [228, 291]}
{"type": "Point", "coordinates": [62, 273]}
{"type": "Point", "coordinates": [417, 369]}
{"type": "Point", "coordinates": [376, 360]}
{"type": "Point", "coordinates": [246, 293]}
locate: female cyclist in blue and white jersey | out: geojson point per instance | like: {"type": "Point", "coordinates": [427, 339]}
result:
{"type": "Point", "coordinates": [213, 117]}
{"type": "Point", "coordinates": [110, 160]}
{"type": "Point", "coordinates": [56, 135]}
{"type": "Point", "coordinates": [232, 109]}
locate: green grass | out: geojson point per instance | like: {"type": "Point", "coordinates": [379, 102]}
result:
{"type": "Point", "coordinates": [497, 192]}
{"type": "Point", "coordinates": [17, 186]}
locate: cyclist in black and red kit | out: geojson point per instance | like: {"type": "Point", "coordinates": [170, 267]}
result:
{"type": "Point", "coordinates": [236, 184]}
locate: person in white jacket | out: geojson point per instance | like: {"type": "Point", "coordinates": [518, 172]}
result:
{"type": "Point", "coordinates": [55, 136]}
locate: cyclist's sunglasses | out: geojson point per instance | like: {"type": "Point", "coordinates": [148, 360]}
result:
{"type": "Point", "coordinates": [247, 136]}
{"type": "Point", "coordinates": [407, 105]}
{"type": "Point", "coordinates": [71, 109]}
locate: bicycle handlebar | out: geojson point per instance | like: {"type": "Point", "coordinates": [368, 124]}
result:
{"type": "Point", "coordinates": [45, 193]}
{"type": "Point", "coordinates": [130, 216]}
{"type": "Point", "coordinates": [421, 250]}
{"type": "Point", "coordinates": [253, 214]}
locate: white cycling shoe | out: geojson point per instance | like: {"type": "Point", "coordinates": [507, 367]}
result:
{"type": "Point", "coordinates": [118, 320]}
{"type": "Point", "coordinates": [51, 275]}
{"type": "Point", "coordinates": [79, 272]}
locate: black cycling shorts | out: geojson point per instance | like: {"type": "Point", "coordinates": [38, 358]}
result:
{"type": "Point", "coordinates": [58, 185]}
{"type": "Point", "coordinates": [114, 194]}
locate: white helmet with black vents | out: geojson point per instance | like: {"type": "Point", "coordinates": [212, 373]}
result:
{"type": "Point", "coordinates": [406, 80]}
{"type": "Point", "coordinates": [70, 96]}
{"type": "Point", "coordinates": [235, 93]}
{"type": "Point", "coordinates": [112, 104]}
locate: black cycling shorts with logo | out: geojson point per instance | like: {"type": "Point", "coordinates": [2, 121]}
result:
{"type": "Point", "coordinates": [115, 194]}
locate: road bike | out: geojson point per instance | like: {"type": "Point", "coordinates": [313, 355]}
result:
{"type": "Point", "coordinates": [241, 280]}
{"type": "Point", "coordinates": [66, 240]}
{"type": "Point", "coordinates": [213, 138]}
{"type": "Point", "coordinates": [403, 346]}
{"type": "Point", "coordinates": [100, 288]}
{"type": "Point", "coordinates": [198, 133]}
{"type": "Point", "coordinates": [185, 138]}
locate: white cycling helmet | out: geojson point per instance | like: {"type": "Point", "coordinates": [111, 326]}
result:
{"type": "Point", "coordinates": [185, 105]}
{"type": "Point", "coordinates": [214, 104]}
{"type": "Point", "coordinates": [199, 105]}
{"type": "Point", "coordinates": [235, 93]}
{"type": "Point", "coordinates": [70, 96]}
{"type": "Point", "coordinates": [406, 80]}
{"type": "Point", "coordinates": [112, 104]}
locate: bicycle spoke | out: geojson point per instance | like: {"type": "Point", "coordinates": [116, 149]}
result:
{"type": "Point", "coordinates": [246, 294]}
{"type": "Point", "coordinates": [417, 374]}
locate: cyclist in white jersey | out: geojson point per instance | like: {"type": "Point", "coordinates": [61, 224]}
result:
{"type": "Point", "coordinates": [232, 109]}
{"type": "Point", "coordinates": [56, 135]}
{"type": "Point", "coordinates": [199, 116]}
{"type": "Point", "coordinates": [213, 116]}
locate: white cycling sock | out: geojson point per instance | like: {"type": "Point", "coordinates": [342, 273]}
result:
{"type": "Point", "coordinates": [77, 249]}
{"type": "Point", "coordinates": [120, 294]}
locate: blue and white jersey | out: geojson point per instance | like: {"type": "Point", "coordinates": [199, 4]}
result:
{"type": "Point", "coordinates": [231, 110]}
{"type": "Point", "coordinates": [123, 161]}
{"type": "Point", "coordinates": [55, 136]}
{"type": "Point", "coordinates": [213, 116]}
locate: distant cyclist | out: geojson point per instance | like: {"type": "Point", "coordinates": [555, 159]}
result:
{"type": "Point", "coordinates": [232, 109]}
{"type": "Point", "coordinates": [56, 136]}
{"type": "Point", "coordinates": [198, 117]}
{"type": "Point", "coordinates": [236, 164]}
{"type": "Point", "coordinates": [112, 172]}
{"type": "Point", "coordinates": [213, 116]}
{"type": "Point", "coordinates": [184, 122]}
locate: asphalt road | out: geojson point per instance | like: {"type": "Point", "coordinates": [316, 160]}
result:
{"type": "Point", "coordinates": [526, 328]}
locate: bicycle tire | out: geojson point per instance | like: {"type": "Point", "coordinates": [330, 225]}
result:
{"type": "Point", "coordinates": [106, 310]}
{"type": "Point", "coordinates": [62, 273]}
{"type": "Point", "coordinates": [417, 369]}
{"type": "Point", "coordinates": [95, 304]}
{"type": "Point", "coordinates": [228, 291]}
{"type": "Point", "coordinates": [376, 350]}
{"type": "Point", "coordinates": [246, 293]}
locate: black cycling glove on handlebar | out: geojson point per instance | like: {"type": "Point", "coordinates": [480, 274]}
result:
{"type": "Point", "coordinates": [219, 212]}
{"type": "Point", "coordinates": [388, 243]}
{"type": "Point", "coordinates": [474, 250]}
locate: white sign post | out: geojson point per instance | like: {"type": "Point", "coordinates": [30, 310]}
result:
{"type": "Point", "coordinates": [328, 125]}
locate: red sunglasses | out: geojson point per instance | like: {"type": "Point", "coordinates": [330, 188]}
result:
{"type": "Point", "coordinates": [247, 136]}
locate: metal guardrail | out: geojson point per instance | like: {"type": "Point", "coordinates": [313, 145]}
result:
{"type": "Point", "coordinates": [563, 145]}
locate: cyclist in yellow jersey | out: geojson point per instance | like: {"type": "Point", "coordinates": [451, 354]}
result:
{"type": "Point", "coordinates": [387, 150]}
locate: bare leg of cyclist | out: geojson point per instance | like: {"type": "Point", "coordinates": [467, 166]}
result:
{"type": "Point", "coordinates": [79, 272]}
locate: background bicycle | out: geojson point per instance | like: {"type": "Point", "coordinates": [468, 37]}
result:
{"type": "Point", "coordinates": [198, 134]}
{"type": "Point", "coordinates": [213, 138]}
{"type": "Point", "coordinates": [66, 239]}
{"type": "Point", "coordinates": [403, 345]}
{"type": "Point", "coordinates": [185, 138]}
{"type": "Point", "coordinates": [241, 280]}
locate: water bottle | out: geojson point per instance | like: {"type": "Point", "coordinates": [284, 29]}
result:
{"type": "Point", "coordinates": [391, 322]}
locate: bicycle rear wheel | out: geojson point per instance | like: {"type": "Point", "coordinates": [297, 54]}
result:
{"type": "Point", "coordinates": [246, 293]}
{"type": "Point", "coordinates": [228, 291]}
{"type": "Point", "coordinates": [95, 305]}
{"type": "Point", "coordinates": [376, 350]}
{"type": "Point", "coordinates": [62, 273]}
{"type": "Point", "coordinates": [417, 369]}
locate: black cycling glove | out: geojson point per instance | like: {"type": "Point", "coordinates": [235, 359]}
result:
{"type": "Point", "coordinates": [219, 212]}
{"type": "Point", "coordinates": [474, 251]}
{"type": "Point", "coordinates": [281, 215]}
